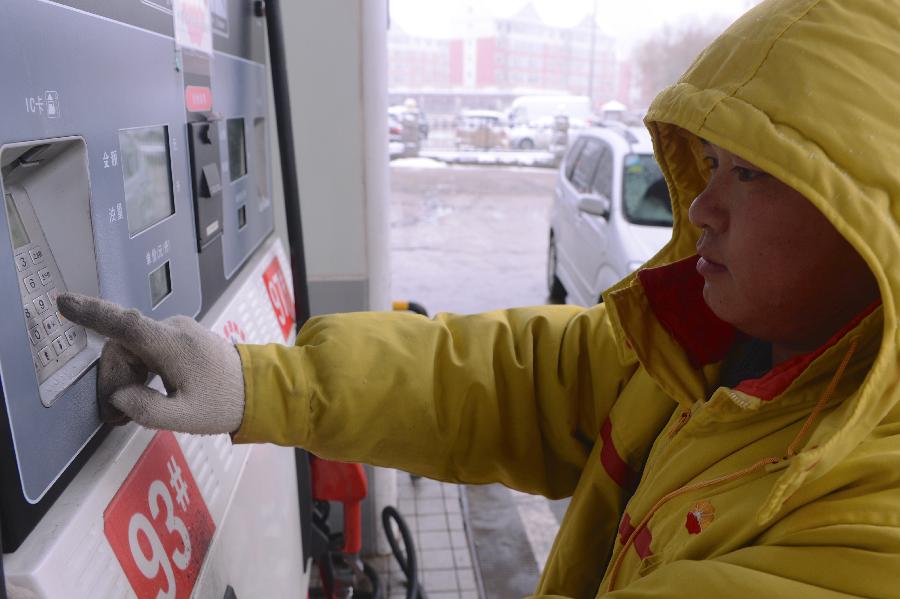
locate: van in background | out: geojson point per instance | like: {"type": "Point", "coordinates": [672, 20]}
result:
{"type": "Point", "coordinates": [525, 110]}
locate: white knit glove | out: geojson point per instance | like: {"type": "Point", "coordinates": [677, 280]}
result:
{"type": "Point", "coordinates": [17, 592]}
{"type": "Point", "coordinates": [200, 370]}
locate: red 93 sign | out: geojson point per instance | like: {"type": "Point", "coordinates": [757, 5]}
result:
{"type": "Point", "coordinates": [158, 524]}
{"type": "Point", "coordinates": [280, 297]}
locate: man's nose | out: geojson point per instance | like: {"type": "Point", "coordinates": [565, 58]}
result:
{"type": "Point", "coordinates": [707, 211]}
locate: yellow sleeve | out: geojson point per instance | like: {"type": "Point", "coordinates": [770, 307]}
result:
{"type": "Point", "coordinates": [515, 396]}
{"type": "Point", "coordinates": [854, 561]}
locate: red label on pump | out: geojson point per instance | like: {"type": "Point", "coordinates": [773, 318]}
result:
{"type": "Point", "coordinates": [197, 98]}
{"type": "Point", "coordinates": [280, 297]}
{"type": "Point", "coordinates": [158, 524]}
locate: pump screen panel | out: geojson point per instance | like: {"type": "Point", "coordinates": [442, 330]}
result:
{"type": "Point", "coordinates": [237, 149]}
{"type": "Point", "coordinates": [148, 176]}
{"type": "Point", "coordinates": [160, 284]}
{"type": "Point", "coordinates": [16, 228]}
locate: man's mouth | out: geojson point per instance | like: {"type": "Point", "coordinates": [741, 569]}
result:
{"type": "Point", "coordinates": [708, 267]}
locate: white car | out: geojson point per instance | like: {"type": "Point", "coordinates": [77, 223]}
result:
{"type": "Point", "coordinates": [538, 134]}
{"type": "Point", "coordinates": [611, 213]}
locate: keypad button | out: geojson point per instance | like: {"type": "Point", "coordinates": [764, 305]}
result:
{"type": "Point", "coordinates": [31, 283]}
{"type": "Point", "coordinates": [45, 355]}
{"type": "Point", "coordinates": [73, 335]}
{"type": "Point", "coordinates": [41, 303]}
{"type": "Point", "coordinates": [45, 276]}
{"type": "Point", "coordinates": [52, 294]}
{"type": "Point", "coordinates": [29, 311]}
{"type": "Point", "coordinates": [60, 345]}
{"type": "Point", "coordinates": [37, 335]}
{"type": "Point", "coordinates": [51, 325]}
{"type": "Point", "coordinates": [37, 255]}
{"type": "Point", "coordinates": [21, 262]}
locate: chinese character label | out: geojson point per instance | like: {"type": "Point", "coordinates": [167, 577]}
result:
{"type": "Point", "coordinates": [158, 252]}
{"type": "Point", "coordinates": [52, 100]}
{"type": "Point", "coordinates": [45, 104]}
{"type": "Point", "coordinates": [116, 213]}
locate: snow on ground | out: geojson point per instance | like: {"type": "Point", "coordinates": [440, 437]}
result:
{"type": "Point", "coordinates": [418, 163]}
{"type": "Point", "coordinates": [495, 157]}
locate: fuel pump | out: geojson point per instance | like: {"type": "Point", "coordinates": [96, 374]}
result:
{"type": "Point", "coordinates": [136, 165]}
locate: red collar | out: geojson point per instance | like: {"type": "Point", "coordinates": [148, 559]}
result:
{"type": "Point", "coordinates": [675, 294]}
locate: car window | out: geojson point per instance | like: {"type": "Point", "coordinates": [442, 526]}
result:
{"type": "Point", "coordinates": [586, 165]}
{"type": "Point", "coordinates": [644, 192]}
{"type": "Point", "coordinates": [602, 184]}
{"type": "Point", "coordinates": [572, 157]}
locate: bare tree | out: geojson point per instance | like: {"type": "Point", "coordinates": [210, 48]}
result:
{"type": "Point", "coordinates": [662, 58]}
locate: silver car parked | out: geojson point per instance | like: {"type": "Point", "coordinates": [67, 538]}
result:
{"type": "Point", "coordinates": [611, 213]}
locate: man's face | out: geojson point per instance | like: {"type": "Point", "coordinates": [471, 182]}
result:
{"type": "Point", "coordinates": [774, 267]}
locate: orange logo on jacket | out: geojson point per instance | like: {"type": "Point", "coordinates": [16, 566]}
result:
{"type": "Point", "coordinates": [699, 517]}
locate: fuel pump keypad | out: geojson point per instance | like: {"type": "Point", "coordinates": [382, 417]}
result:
{"type": "Point", "coordinates": [31, 283]}
{"type": "Point", "coordinates": [54, 340]}
{"type": "Point", "coordinates": [41, 304]}
{"type": "Point", "coordinates": [51, 325]}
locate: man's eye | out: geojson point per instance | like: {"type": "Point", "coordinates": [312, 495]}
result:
{"type": "Point", "coordinates": [746, 174]}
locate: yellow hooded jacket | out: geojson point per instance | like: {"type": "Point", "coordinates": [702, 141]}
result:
{"type": "Point", "coordinates": [783, 486]}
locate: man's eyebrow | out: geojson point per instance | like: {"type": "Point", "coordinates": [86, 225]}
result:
{"type": "Point", "coordinates": [704, 142]}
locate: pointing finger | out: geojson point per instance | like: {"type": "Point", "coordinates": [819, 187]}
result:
{"type": "Point", "coordinates": [128, 326]}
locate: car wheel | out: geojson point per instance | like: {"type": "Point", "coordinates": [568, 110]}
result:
{"type": "Point", "coordinates": [557, 293]}
{"type": "Point", "coordinates": [526, 144]}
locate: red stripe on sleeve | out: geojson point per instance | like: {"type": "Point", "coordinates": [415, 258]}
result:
{"type": "Point", "coordinates": [625, 528]}
{"type": "Point", "coordinates": [617, 468]}
{"type": "Point", "coordinates": [642, 543]}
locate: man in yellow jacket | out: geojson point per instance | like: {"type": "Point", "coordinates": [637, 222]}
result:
{"type": "Point", "coordinates": [727, 422]}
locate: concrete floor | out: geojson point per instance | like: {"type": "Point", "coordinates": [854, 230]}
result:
{"type": "Point", "coordinates": [471, 239]}
{"type": "Point", "coordinates": [468, 238]}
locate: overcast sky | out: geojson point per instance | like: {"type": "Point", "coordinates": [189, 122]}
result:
{"type": "Point", "coordinates": [627, 20]}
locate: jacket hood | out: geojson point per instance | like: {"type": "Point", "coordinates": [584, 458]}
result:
{"type": "Point", "coordinates": [806, 90]}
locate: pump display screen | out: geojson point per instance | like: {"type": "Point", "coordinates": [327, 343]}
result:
{"type": "Point", "coordinates": [160, 284]}
{"type": "Point", "coordinates": [237, 149]}
{"type": "Point", "coordinates": [148, 176]}
{"type": "Point", "coordinates": [16, 228]}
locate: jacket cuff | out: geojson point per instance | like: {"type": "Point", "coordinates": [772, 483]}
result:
{"type": "Point", "coordinates": [276, 409]}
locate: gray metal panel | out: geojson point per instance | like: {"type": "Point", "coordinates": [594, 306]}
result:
{"type": "Point", "coordinates": [239, 91]}
{"type": "Point", "coordinates": [104, 76]}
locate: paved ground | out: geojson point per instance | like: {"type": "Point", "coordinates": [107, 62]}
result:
{"type": "Point", "coordinates": [470, 239]}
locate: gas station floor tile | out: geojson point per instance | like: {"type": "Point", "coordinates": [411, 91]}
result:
{"type": "Point", "coordinates": [435, 513]}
